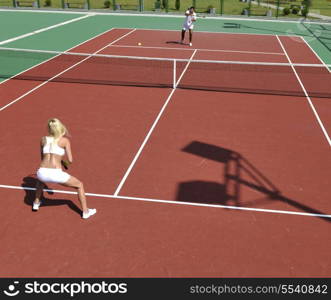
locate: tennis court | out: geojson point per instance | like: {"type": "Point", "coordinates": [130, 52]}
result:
{"type": "Point", "coordinates": [203, 161]}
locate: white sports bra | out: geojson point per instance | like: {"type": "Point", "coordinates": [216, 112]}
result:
{"type": "Point", "coordinates": [52, 148]}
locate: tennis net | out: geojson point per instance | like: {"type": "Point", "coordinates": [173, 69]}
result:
{"type": "Point", "coordinates": [224, 76]}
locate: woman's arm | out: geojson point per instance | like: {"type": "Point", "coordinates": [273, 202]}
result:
{"type": "Point", "coordinates": [42, 142]}
{"type": "Point", "coordinates": [68, 150]}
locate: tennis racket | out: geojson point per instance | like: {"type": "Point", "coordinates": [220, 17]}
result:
{"type": "Point", "coordinates": [65, 164]}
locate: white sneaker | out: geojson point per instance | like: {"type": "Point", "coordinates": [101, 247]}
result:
{"type": "Point", "coordinates": [190, 44]}
{"type": "Point", "coordinates": [91, 212]}
{"type": "Point", "coordinates": [36, 206]}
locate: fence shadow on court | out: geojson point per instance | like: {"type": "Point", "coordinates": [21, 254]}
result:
{"type": "Point", "coordinates": [321, 33]}
{"type": "Point", "coordinates": [274, 31]}
{"type": "Point", "coordinates": [31, 182]}
{"type": "Point", "coordinates": [237, 172]}
{"type": "Point", "coordinates": [316, 31]}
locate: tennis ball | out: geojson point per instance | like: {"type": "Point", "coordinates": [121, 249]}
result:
{"type": "Point", "coordinates": [139, 44]}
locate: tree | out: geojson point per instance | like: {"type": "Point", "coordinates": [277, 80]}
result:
{"type": "Point", "coordinates": [307, 3]}
{"type": "Point", "coordinates": [164, 3]}
{"type": "Point", "coordinates": [177, 4]}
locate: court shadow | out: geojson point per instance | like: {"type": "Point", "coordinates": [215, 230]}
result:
{"type": "Point", "coordinates": [237, 173]}
{"type": "Point", "coordinates": [31, 182]}
{"type": "Point", "coordinates": [173, 42]}
{"type": "Point", "coordinates": [176, 43]}
{"type": "Point", "coordinates": [202, 192]}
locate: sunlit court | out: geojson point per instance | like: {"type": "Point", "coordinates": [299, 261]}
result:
{"type": "Point", "coordinates": [209, 160]}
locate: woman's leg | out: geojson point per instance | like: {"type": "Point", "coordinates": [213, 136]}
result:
{"type": "Point", "coordinates": [39, 191]}
{"type": "Point", "coordinates": [183, 35]}
{"type": "Point", "coordinates": [191, 34]}
{"type": "Point", "coordinates": [75, 183]}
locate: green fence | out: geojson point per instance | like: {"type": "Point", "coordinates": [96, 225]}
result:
{"type": "Point", "coordinates": [262, 8]}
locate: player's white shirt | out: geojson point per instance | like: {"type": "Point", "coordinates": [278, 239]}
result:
{"type": "Point", "coordinates": [189, 20]}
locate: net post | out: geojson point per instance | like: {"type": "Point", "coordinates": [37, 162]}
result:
{"type": "Point", "coordinates": [88, 4]}
{"type": "Point", "coordinates": [174, 75]}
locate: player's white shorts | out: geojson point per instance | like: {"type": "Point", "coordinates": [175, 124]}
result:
{"type": "Point", "coordinates": [187, 26]}
{"type": "Point", "coordinates": [52, 175]}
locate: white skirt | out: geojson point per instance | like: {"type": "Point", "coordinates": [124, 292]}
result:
{"type": "Point", "coordinates": [52, 175]}
{"type": "Point", "coordinates": [187, 26]}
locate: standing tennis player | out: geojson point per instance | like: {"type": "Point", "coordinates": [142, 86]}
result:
{"type": "Point", "coordinates": [53, 147]}
{"type": "Point", "coordinates": [188, 23]}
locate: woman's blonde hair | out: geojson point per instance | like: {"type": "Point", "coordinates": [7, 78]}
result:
{"type": "Point", "coordinates": [56, 128]}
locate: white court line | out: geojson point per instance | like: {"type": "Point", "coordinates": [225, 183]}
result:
{"type": "Point", "coordinates": [186, 67]}
{"type": "Point", "coordinates": [199, 49]}
{"type": "Point", "coordinates": [306, 94]}
{"type": "Point", "coordinates": [164, 15]}
{"type": "Point", "coordinates": [44, 61]}
{"type": "Point", "coordinates": [43, 29]}
{"type": "Point", "coordinates": [162, 58]}
{"type": "Point", "coordinates": [67, 69]}
{"type": "Point", "coordinates": [274, 211]}
{"type": "Point", "coordinates": [44, 11]}
{"type": "Point", "coordinates": [316, 54]}
{"type": "Point", "coordinates": [170, 16]}
{"type": "Point", "coordinates": [119, 187]}
{"type": "Point", "coordinates": [221, 32]}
